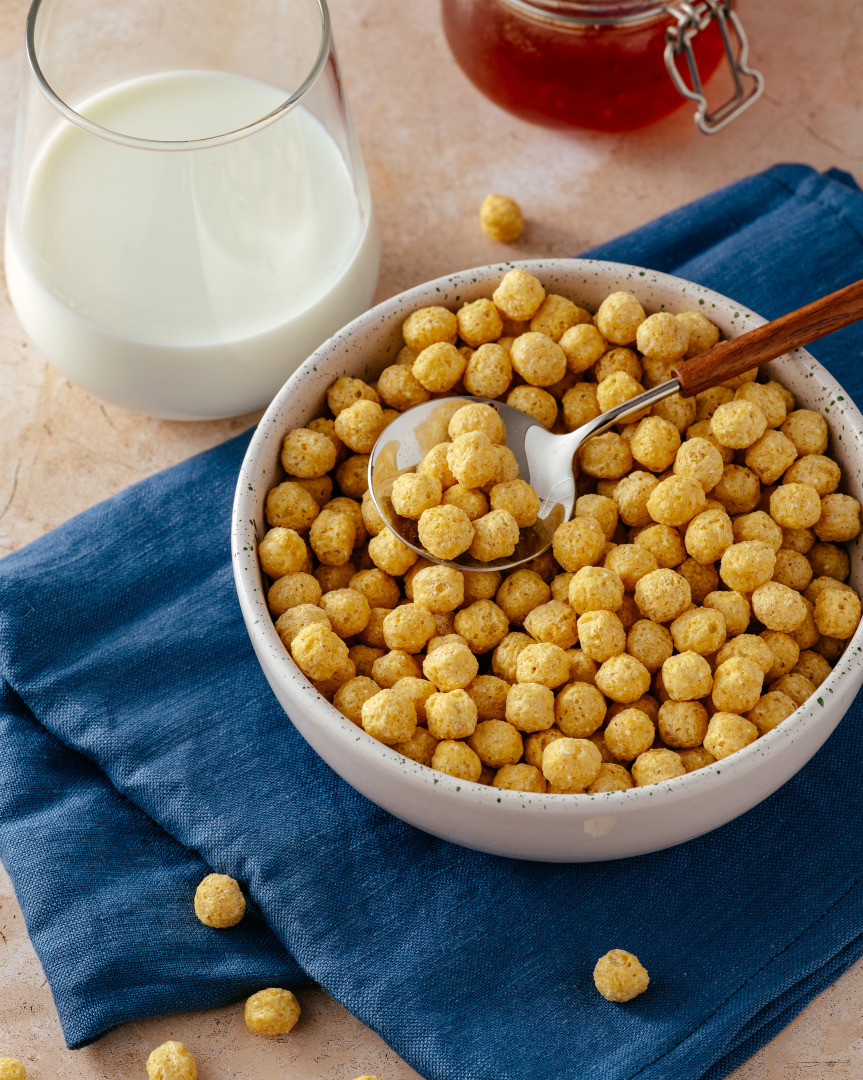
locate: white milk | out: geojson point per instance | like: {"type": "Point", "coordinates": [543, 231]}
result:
{"type": "Point", "coordinates": [188, 284]}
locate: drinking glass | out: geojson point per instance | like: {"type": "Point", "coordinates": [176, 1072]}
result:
{"type": "Point", "coordinates": [189, 215]}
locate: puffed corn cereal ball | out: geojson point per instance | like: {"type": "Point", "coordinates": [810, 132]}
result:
{"type": "Point", "coordinates": [623, 678]}
{"type": "Point", "coordinates": [578, 543]}
{"type": "Point", "coordinates": [445, 531]}
{"type": "Point", "coordinates": [682, 724]}
{"type": "Point", "coordinates": [543, 663]}
{"type": "Point", "coordinates": [13, 1069]}
{"type": "Point", "coordinates": [837, 613]}
{"type": "Point", "coordinates": [517, 497]}
{"type": "Point", "coordinates": [601, 635]}
{"type": "Point", "coordinates": [571, 764]}
{"type": "Point", "coordinates": [778, 607]}
{"type": "Point", "coordinates": [352, 695]}
{"type": "Point", "coordinates": [472, 459]}
{"type": "Point", "coordinates": [747, 565]}
{"type": "Point", "coordinates": [457, 759]}
{"type": "Point", "coordinates": [219, 901]}
{"type": "Point", "coordinates": [518, 295]}
{"type": "Point", "coordinates": [654, 766]}
{"type": "Point", "coordinates": [539, 360]}
{"type": "Point", "coordinates": [579, 710]}
{"type": "Point", "coordinates": [839, 520]}
{"type": "Point", "coordinates": [272, 1011]}
{"type": "Point", "coordinates": [389, 717]}
{"type": "Point", "coordinates": [360, 425]}
{"type": "Point", "coordinates": [662, 595]}
{"type": "Point", "coordinates": [607, 457]}
{"type": "Point", "coordinates": [332, 537]}
{"type": "Point", "coordinates": [629, 734]}
{"type": "Point", "coordinates": [708, 536]}
{"type": "Point", "coordinates": [700, 630]}
{"type": "Point", "coordinates": [737, 686]}
{"type": "Point", "coordinates": [687, 676]}
{"type": "Point", "coordinates": [318, 652]}
{"type": "Point", "coordinates": [701, 460]}
{"type": "Point", "coordinates": [477, 417]}
{"type": "Point", "coordinates": [519, 777]}
{"type": "Point", "coordinates": [170, 1061]}
{"type": "Point", "coordinates": [439, 367]}
{"type": "Point", "coordinates": [451, 667]}
{"type": "Point", "coordinates": [413, 493]}
{"type": "Point", "coordinates": [347, 391]}
{"type": "Point", "coordinates": [479, 323]}
{"type": "Point", "coordinates": [428, 326]}
{"type": "Point", "coordinates": [656, 443]}
{"type": "Point", "coordinates": [727, 733]}
{"type": "Point", "coordinates": [501, 218]}
{"type": "Point", "coordinates": [619, 976]}
{"type": "Point", "coordinates": [772, 708]}
{"type": "Point", "coordinates": [738, 424]}
{"type": "Point", "coordinates": [488, 372]}
{"type": "Point", "coordinates": [535, 402]}
{"type": "Point", "coordinates": [662, 337]}
{"type": "Point", "coordinates": [676, 500]}
{"type": "Point", "coordinates": [496, 536]}
{"type": "Point", "coordinates": [595, 588]}
{"type": "Point", "coordinates": [795, 506]}
{"type": "Point", "coordinates": [530, 707]}
{"type": "Point", "coordinates": [618, 318]}
{"type": "Point", "coordinates": [308, 453]}
{"type": "Point", "coordinates": [497, 743]}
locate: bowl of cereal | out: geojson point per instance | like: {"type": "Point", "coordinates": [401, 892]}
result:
{"type": "Point", "coordinates": [684, 647]}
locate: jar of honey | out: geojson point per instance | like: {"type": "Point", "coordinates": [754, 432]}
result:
{"type": "Point", "coordinates": [606, 65]}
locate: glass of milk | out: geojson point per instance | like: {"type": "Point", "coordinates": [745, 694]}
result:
{"type": "Point", "coordinates": [189, 215]}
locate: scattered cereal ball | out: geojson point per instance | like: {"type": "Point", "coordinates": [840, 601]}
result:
{"type": "Point", "coordinates": [439, 367]}
{"type": "Point", "coordinates": [543, 663]}
{"type": "Point", "coordinates": [272, 1011]}
{"type": "Point", "coordinates": [290, 506]}
{"type": "Point", "coordinates": [662, 595]}
{"type": "Point", "coordinates": [360, 425]}
{"type": "Point", "coordinates": [318, 652]}
{"type": "Point", "coordinates": [346, 392]}
{"type": "Point", "coordinates": [519, 499]}
{"type": "Point", "coordinates": [837, 613]}
{"type": "Point", "coordinates": [170, 1061]}
{"type": "Point", "coordinates": [738, 424]}
{"type": "Point", "coordinates": [734, 607]}
{"type": "Point", "coordinates": [390, 554]}
{"type": "Point", "coordinates": [496, 536]}
{"type": "Point", "coordinates": [747, 565]}
{"type": "Point", "coordinates": [219, 901]}
{"type": "Point", "coordinates": [595, 588]}
{"type": "Point", "coordinates": [571, 764]}
{"type": "Point", "coordinates": [488, 372]}
{"type": "Point", "coordinates": [501, 218]}
{"type": "Point", "coordinates": [682, 724]}
{"type": "Point", "coordinates": [415, 492]}
{"type": "Point", "coordinates": [535, 402]}
{"type": "Point", "coordinates": [578, 543]}
{"type": "Point", "coordinates": [623, 678]}
{"type": "Point", "coordinates": [619, 976]}
{"type": "Point", "coordinates": [629, 734]}
{"type": "Point", "coordinates": [308, 453]}
{"type": "Point", "coordinates": [676, 500]}
{"type": "Point", "coordinates": [519, 294]}
{"type": "Point", "coordinates": [662, 337]}
{"type": "Point", "coordinates": [700, 630]}
{"type": "Point", "coordinates": [795, 506]}
{"type": "Point", "coordinates": [429, 326]}
{"type": "Point", "coordinates": [497, 743]}
{"type": "Point", "coordinates": [656, 443]}
{"type": "Point", "coordinates": [807, 430]}
{"type": "Point", "coordinates": [539, 360]}
{"type": "Point", "coordinates": [530, 707]}
{"type": "Point", "coordinates": [607, 456]}
{"type": "Point", "coordinates": [654, 766]}
{"type": "Point", "coordinates": [737, 686]}
{"type": "Point", "coordinates": [727, 733]}
{"type": "Point", "coordinates": [389, 717]}
{"type": "Point", "coordinates": [771, 709]}
{"type": "Point", "coordinates": [13, 1069]}
{"type": "Point", "coordinates": [457, 759]}
{"type": "Point", "coordinates": [479, 323]}
{"type": "Point", "coordinates": [839, 519]}
{"type": "Point", "coordinates": [519, 777]}
{"type": "Point", "coordinates": [352, 695]}
{"type": "Point", "coordinates": [619, 317]}
{"type": "Point", "coordinates": [778, 607]}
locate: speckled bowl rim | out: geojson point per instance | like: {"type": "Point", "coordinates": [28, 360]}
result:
{"type": "Point", "coordinates": [337, 356]}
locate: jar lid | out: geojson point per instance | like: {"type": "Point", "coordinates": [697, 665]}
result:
{"type": "Point", "coordinates": [590, 12]}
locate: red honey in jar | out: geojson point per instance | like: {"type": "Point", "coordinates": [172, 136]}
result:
{"type": "Point", "coordinates": [606, 65]}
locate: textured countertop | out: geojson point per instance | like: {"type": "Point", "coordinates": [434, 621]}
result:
{"type": "Point", "coordinates": [433, 148]}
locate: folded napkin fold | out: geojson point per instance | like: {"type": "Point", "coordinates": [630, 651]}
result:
{"type": "Point", "coordinates": [140, 748]}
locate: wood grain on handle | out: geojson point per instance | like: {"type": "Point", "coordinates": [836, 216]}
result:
{"type": "Point", "coordinates": [799, 327]}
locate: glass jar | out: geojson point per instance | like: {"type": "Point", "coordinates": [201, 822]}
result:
{"type": "Point", "coordinates": [606, 65]}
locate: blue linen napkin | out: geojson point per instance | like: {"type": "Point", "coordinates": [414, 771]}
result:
{"type": "Point", "coordinates": [140, 747]}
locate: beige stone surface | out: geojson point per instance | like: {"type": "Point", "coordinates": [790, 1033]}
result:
{"type": "Point", "coordinates": [433, 148]}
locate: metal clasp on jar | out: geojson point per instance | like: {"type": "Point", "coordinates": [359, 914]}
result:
{"type": "Point", "coordinates": [690, 19]}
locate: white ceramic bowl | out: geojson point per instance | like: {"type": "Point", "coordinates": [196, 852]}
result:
{"type": "Point", "coordinates": [554, 828]}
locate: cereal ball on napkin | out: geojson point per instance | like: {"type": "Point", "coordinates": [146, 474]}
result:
{"type": "Point", "coordinates": [272, 1011]}
{"type": "Point", "coordinates": [171, 1061]}
{"type": "Point", "coordinates": [219, 902]}
{"type": "Point", "coordinates": [619, 976]}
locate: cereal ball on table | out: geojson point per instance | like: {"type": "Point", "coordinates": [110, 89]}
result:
{"type": "Point", "coordinates": [496, 536]}
{"type": "Point", "coordinates": [497, 743]}
{"type": "Point", "coordinates": [619, 976]}
{"type": "Point", "coordinates": [12, 1069]}
{"type": "Point", "coordinates": [427, 326]}
{"type": "Point", "coordinates": [530, 707]}
{"type": "Point", "coordinates": [389, 717]}
{"type": "Point", "coordinates": [623, 678]}
{"type": "Point", "coordinates": [571, 765]}
{"type": "Point", "coordinates": [727, 733]}
{"type": "Point", "coordinates": [272, 1011]}
{"type": "Point", "coordinates": [170, 1061]}
{"type": "Point", "coordinates": [737, 686]}
{"type": "Point", "coordinates": [618, 318]}
{"type": "Point", "coordinates": [654, 766]}
{"type": "Point", "coordinates": [439, 367]}
{"type": "Point", "coordinates": [318, 652]}
{"type": "Point", "coordinates": [456, 759]}
{"type": "Point", "coordinates": [413, 493]}
{"type": "Point", "coordinates": [519, 294]}
{"type": "Point", "coordinates": [501, 218]}
{"type": "Point", "coordinates": [219, 901]}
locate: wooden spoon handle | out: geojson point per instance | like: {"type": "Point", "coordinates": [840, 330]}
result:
{"type": "Point", "coordinates": [797, 328]}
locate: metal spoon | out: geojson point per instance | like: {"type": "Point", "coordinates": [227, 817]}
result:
{"type": "Point", "coordinates": [545, 460]}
